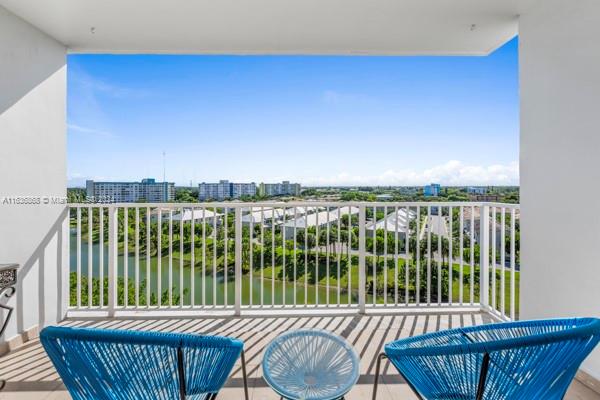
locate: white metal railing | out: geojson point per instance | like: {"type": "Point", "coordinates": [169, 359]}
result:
{"type": "Point", "coordinates": [237, 256]}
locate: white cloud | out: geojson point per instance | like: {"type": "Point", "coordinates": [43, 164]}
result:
{"type": "Point", "coordinates": [89, 131]}
{"type": "Point", "coordinates": [452, 173]}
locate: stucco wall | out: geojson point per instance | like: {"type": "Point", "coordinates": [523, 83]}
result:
{"type": "Point", "coordinates": [32, 163]}
{"type": "Point", "coordinates": [560, 161]}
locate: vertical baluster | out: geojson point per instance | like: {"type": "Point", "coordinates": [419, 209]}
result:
{"type": "Point", "coordinates": [306, 259]}
{"type": "Point", "coordinates": [283, 248]}
{"type": "Point", "coordinates": [429, 255]}
{"type": "Point", "coordinates": [295, 256]}
{"type": "Point", "coordinates": [273, 257]}
{"type": "Point", "coordinates": [450, 260]}
{"type": "Point", "coordinates": [181, 240]}
{"type": "Point", "coordinates": [493, 260]}
{"type": "Point", "coordinates": [215, 239]}
{"type": "Point", "coordinates": [204, 256]}
{"type": "Point", "coordinates": [90, 218]}
{"type": "Point", "coordinates": [484, 263]}
{"type": "Point", "coordinates": [251, 252]}
{"type": "Point", "coordinates": [113, 252]}
{"type": "Point", "coordinates": [327, 259]}
{"type": "Point", "coordinates": [349, 255]}
{"type": "Point", "coordinates": [159, 256]}
{"type": "Point", "coordinates": [317, 253]}
{"type": "Point", "coordinates": [472, 250]}
{"type": "Point", "coordinates": [461, 254]}
{"type": "Point", "coordinates": [101, 255]}
{"type": "Point", "coordinates": [262, 256]}
{"type": "Point", "coordinates": [362, 273]}
{"type": "Point", "coordinates": [418, 251]}
{"type": "Point", "coordinates": [374, 256]}
{"type": "Point", "coordinates": [512, 263]}
{"type": "Point", "coordinates": [397, 215]}
{"type": "Point", "coordinates": [78, 257]}
{"type": "Point", "coordinates": [338, 251]}
{"type": "Point", "coordinates": [226, 254]}
{"type": "Point", "coordinates": [503, 262]}
{"type": "Point", "coordinates": [385, 255]}
{"type": "Point", "coordinates": [237, 221]}
{"type": "Point", "coordinates": [148, 247]}
{"type": "Point", "coordinates": [406, 255]}
{"type": "Point", "coordinates": [137, 257]}
{"type": "Point", "coordinates": [192, 256]}
{"type": "Point", "coordinates": [125, 256]}
{"type": "Point", "coordinates": [170, 257]}
{"type": "Point", "coordinates": [440, 255]}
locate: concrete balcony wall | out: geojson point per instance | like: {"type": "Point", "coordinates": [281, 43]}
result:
{"type": "Point", "coordinates": [32, 163]}
{"type": "Point", "coordinates": [560, 144]}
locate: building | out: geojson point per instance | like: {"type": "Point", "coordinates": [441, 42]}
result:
{"type": "Point", "coordinates": [284, 188]}
{"type": "Point", "coordinates": [384, 197]}
{"type": "Point", "coordinates": [476, 190]}
{"type": "Point", "coordinates": [490, 197]}
{"type": "Point", "coordinates": [318, 219]}
{"type": "Point", "coordinates": [432, 190]}
{"type": "Point", "coordinates": [199, 215]}
{"type": "Point", "coordinates": [272, 216]}
{"type": "Point", "coordinates": [242, 189]}
{"type": "Point", "coordinates": [394, 222]}
{"type": "Point", "coordinates": [225, 190]}
{"type": "Point", "coordinates": [148, 190]}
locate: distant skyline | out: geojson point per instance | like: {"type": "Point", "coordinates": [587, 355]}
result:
{"type": "Point", "coordinates": [316, 120]}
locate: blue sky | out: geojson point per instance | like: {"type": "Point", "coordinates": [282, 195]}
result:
{"type": "Point", "coordinates": [316, 120]}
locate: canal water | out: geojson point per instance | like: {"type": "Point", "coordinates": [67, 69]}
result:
{"type": "Point", "coordinates": [207, 289]}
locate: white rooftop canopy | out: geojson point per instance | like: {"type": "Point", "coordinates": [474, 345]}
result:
{"type": "Point", "coordinates": [385, 27]}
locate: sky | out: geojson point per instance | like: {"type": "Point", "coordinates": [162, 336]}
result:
{"type": "Point", "coordinates": [317, 120]}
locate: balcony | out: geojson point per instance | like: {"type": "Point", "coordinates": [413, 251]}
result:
{"type": "Point", "coordinates": [371, 272]}
{"type": "Point", "coordinates": [558, 93]}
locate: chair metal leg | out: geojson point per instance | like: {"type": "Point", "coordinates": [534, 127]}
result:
{"type": "Point", "coordinates": [380, 357]}
{"type": "Point", "coordinates": [181, 373]}
{"type": "Point", "coordinates": [243, 357]}
{"type": "Point", "coordinates": [483, 376]}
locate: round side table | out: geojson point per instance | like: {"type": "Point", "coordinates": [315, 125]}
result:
{"type": "Point", "coordinates": [310, 364]}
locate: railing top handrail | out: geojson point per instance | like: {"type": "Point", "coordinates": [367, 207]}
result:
{"type": "Point", "coordinates": [291, 204]}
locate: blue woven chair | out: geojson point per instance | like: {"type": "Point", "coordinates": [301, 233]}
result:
{"type": "Point", "coordinates": [118, 364]}
{"type": "Point", "coordinates": [516, 360]}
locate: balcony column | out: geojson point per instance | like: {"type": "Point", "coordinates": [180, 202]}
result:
{"type": "Point", "coordinates": [560, 168]}
{"type": "Point", "coordinates": [33, 232]}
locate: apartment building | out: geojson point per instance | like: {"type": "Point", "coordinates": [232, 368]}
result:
{"type": "Point", "coordinates": [147, 190]}
{"type": "Point", "coordinates": [284, 188]}
{"type": "Point", "coordinates": [225, 190]}
{"type": "Point", "coordinates": [432, 190]}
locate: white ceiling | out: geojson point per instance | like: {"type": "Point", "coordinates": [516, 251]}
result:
{"type": "Point", "coordinates": [385, 27]}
